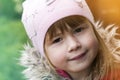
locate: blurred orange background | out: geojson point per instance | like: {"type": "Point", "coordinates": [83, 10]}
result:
{"type": "Point", "coordinates": [107, 11]}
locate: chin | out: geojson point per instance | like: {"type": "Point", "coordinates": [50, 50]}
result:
{"type": "Point", "coordinates": [80, 68]}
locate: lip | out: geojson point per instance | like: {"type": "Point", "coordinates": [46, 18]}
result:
{"type": "Point", "coordinates": [78, 57]}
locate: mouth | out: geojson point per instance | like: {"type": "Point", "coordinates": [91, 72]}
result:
{"type": "Point", "coordinates": [78, 57]}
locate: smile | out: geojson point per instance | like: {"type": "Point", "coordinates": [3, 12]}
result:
{"type": "Point", "coordinates": [78, 57]}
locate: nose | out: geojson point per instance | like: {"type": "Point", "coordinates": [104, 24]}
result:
{"type": "Point", "coordinates": [73, 43]}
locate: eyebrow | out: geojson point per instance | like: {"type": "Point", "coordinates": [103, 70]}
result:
{"type": "Point", "coordinates": [84, 23]}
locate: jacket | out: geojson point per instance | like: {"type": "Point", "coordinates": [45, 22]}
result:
{"type": "Point", "coordinates": [37, 67]}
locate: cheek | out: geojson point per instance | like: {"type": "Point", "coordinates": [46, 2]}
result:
{"type": "Point", "coordinates": [92, 46]}
{"type": "Point", "coordinates": [93, 42]}
{"type": "Point", "coordinates": [56, 56]}
{"type": "Point", "coordinates": [90, 41]}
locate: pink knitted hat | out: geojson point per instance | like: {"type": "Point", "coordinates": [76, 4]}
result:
{"type": "Point", "coordinates": [39, 15]}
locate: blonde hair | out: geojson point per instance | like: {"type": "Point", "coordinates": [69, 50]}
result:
{"type": "Point", "coordinates": [103, 62]}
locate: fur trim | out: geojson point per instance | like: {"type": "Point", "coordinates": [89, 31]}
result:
{"type": "Point", "coordinates": [37, 67]}
{"type": "Point", "coordinates": [109, 34]}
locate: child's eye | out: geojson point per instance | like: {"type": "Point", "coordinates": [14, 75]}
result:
{"type": "Point", "coordinates": [77, 30]}
{"type": "Point", "coordinates": [57, 40]}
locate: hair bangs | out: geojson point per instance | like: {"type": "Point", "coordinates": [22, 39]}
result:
{"type": "Point", "coordinates": [61, 25]}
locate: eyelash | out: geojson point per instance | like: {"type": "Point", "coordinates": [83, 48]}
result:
{"type": "Point", "coordinates": [78, 30]}
{"type": "Point", "coordinates": [56, 40]}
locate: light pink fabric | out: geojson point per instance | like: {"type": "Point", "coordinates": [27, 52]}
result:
{"type": "Point", "coordinates": [39, 15]}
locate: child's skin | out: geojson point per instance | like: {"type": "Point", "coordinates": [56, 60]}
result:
{"type": "Point", "coordinates": [74, 50]}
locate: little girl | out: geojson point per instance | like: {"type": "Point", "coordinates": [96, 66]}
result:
{"type": "Point", "coordinates": [67, 43]}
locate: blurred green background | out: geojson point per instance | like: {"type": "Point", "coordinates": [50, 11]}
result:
{"type": "Point", "coordinates": [12, 39]}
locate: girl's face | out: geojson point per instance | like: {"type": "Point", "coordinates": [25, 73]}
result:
{"type": "Point", "coordinates": [74, 50]}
